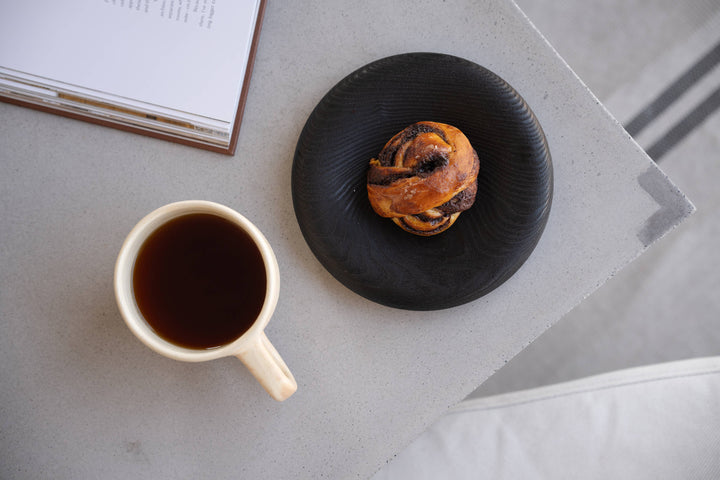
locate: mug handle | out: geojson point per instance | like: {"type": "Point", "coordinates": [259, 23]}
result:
{"type": "Point", "coordinates": [265, 363]}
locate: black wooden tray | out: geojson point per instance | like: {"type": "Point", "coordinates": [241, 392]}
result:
{"type": "Point", "coordinates": [371, 255]}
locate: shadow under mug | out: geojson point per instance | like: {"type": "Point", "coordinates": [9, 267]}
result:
{"type": "Point", "coordinates": [253, 347]}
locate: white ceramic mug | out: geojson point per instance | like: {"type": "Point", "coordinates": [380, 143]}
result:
{"type": "Point", "coordinates": [253, 347]}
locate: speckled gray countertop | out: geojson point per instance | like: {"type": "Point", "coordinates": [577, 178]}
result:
{"type": "Point", "coordinates": [82, 398]}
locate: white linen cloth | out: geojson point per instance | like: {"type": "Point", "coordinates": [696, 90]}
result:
{"type": "Point", "coordinates": [655, 422]}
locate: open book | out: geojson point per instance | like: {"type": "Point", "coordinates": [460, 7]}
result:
{"type": "Point", "coordinates": [174, 69]}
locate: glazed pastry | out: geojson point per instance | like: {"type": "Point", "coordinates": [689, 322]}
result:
{"type": "Point", "coordinates": [424, 177]}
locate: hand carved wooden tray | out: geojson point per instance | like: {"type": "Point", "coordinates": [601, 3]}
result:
{"type": "Point", "coordinates": [371, 255]}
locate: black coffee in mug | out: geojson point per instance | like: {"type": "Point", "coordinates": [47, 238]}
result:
{"type": "Point", "coordinates": [199, 281]}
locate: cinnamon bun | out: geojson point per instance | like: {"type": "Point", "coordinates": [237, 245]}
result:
{"type": "Point", "coordinates": [424, 177]}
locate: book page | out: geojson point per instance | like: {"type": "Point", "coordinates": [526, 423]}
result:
{"type": "Point", "coordinates": [185, 55]}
